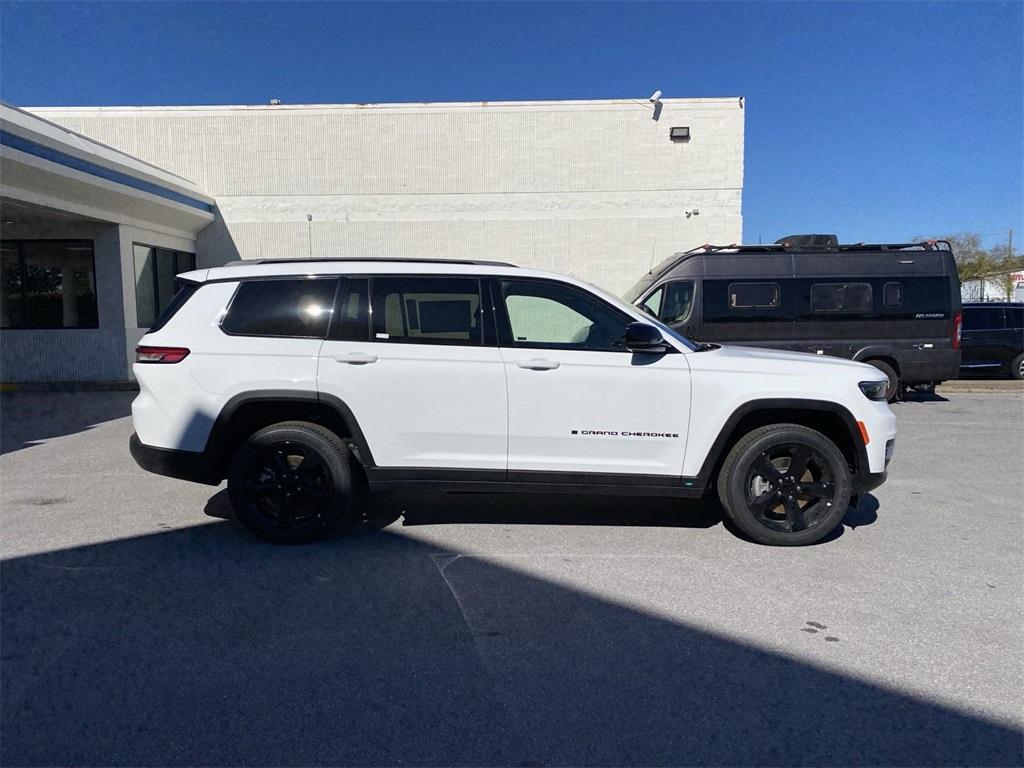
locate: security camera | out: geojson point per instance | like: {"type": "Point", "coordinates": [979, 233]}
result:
{"type": "Point", "coordinates": [655, 97]}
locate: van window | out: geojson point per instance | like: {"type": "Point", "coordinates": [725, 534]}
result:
{"type": "Point", "coordinates": [678, 301]}
{"type": "Point", "coordinates": [652, 305]}
{"type": "Point", "coordinates": [841, 297]}
{"type": "Point", "coordinates": [983, 318]}
{"type": "Point", "coordinates": [751, 295]}
{"type": "Point", "coordinates": [293, 307]}
{"type": "Point", "coordinates": [428, 310]}
{"type": "Point", "coordinates": [892, 294]}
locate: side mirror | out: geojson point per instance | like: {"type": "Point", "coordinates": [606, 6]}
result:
{"type": "Point", "coordinates": [641, 337]}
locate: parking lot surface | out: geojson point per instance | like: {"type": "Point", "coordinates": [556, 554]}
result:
{"type": "Point", "coordinates": [141, 627]}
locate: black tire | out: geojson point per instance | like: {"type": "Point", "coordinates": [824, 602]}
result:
{"type": "Point", "coordinates": [291, 483]}
{"type": "Point", "coordinates": [1017, 367]}
{"type": "Point", "coordinates": [892, 389]}
{"type": "Point", "coordinates": [773, 507]}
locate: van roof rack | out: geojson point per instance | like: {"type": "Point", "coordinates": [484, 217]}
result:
{"type": "Point", "coordinates": [402, 260]}
{"type": "Point", "coordinates": [786, 246]}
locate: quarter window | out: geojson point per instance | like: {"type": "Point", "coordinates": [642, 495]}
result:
{"type": "Point", "coordinates": [428, 310]}
{"type": "Point", "coordinates": [550, 315]}
{"type": "Point", "coordinates": [47, 284]}
{"type": "Point", "coordinates": [841, 297]}
{"type": "Point", "coordinates": [753, 295]}
{"type": "Point", "coordinates": [155, 272]}
{"type": "Point", "coordinates": [293, 308]}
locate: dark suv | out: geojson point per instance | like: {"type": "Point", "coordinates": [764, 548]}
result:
{"type": "Point", "coordinates": [993, 339]}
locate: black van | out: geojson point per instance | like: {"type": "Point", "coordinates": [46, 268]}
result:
{"type": "Point", "coordinates": [896, 306]}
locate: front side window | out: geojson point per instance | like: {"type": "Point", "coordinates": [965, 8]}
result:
{"type": "Point", "coordinates": [291, 308]}
{"type": "Point", "coordinates": [155, 272]}
{"type": "Point", "coordinates": [428, 310]}
{"type": "Point", "coordinates": [841, 297]}
{"type": "Point", "coordinates": [753, 295]}
{"type": "Point", "coordinates": [678, 300]}
{"type": "Point", "coordinates": [551, 315]}
{"type": "Point", "coordinates": [47, 284]}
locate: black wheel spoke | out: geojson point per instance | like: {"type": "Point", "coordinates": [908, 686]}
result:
{"type": "Point", "coordinates": [311, 466]}
{"type": "Point", "coordinates": [794, 515]}
{"type": "Point", "coordinates": [764, 467]}
{"type": "Point", "coordinates": [261, 488]}
{"type": "Point", "coordinates": [313, 492]}
{"type": "Point", "coordinates": [815, 491]}
{"type": "Point", "coordinates": [281, 462]}
{"type": "Point", "coordinates": [764, 502]}
{"type": "Point", "coordinates": [286, 511]}
{"type": "Point", "coordinates": [798, 463]}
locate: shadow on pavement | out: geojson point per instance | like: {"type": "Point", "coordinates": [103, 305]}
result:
{"type": "Point", "coordinates": [204, 646]}
{"type": "Point", "coordinates": [27, 418]}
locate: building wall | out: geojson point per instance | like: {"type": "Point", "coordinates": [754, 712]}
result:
{"type": "Point", "coordinates": [593, 189]}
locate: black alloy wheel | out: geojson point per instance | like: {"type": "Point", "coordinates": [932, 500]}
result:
{"type": "Point", "coordinates": [291, 483]}
{"type": "Point", "coordinates": [785, 484]}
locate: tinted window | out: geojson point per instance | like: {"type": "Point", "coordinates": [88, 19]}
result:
{"type": "Point", "coordinates": [427, 310]}
{"type": "Point", "coordinates": [558, 316]}
{"type": "Point", "coordinates": [155, 271]}
{"type": "Point", "coordinates": [292, 307]}
{"type": "Point", "coordinates": [751, 295]}
{"type": "Point", "coordinates": [983, 318]}
{"type": "Point", "coordinates": [678, 300]}
{"type": "Point", "coordinates": [841, 297]}
{"type": "Point", "coordinates": [352, 323]}
{"type": "Point", "coordinates": [1015, 317]}
{"type": "Point", "coordinates": [892, 294]}
{"type": "Point", "coordinates": [47, 284]}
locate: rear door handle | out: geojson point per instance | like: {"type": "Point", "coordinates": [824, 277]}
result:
{"type": "Point", "coordinates": [538, 365]}
{"type": "Point", "coordinates": [356, 358]}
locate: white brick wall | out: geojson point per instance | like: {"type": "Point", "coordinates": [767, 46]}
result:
{"type": "Point", "coordinates": [593, 189]}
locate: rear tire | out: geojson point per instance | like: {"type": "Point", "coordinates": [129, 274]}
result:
{"type": "Point", "coordinates": [291, 483]}
{"type": "Point", "coordinates": [772, 505]}
{"type": "Point", "coordinates": [892, 389]}
{"type": "Point", "coordinates": [1017, 367]}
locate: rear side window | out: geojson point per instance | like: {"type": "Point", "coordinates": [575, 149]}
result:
{"type": "Point", "coordinates": [428, 310]}
{"type": "Point", "coordinates": [841, 297]}
{"type": "Point", "coordinates": [983, 318]}
{"type": "Point", "coordinates": [292, 308]}
{"type": "Point", "coordinates": [183, 295]}
{"type": "Point", "coordinates": [753, 295]}
{"type": "Point", "coordinates": [352, 322]}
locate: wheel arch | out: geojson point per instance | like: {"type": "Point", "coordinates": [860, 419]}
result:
{"type": "Point", "coordinates": [831, 419]}
{"type": "Point", "coordinates": [249, 412]}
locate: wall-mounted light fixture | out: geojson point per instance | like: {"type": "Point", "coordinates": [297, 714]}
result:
{"type": "Point", "coordinates": [679, 133]}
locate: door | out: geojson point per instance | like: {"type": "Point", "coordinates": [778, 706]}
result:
{"type": "Point", "coordinates": [983, 339]}
{"type": "Point", "coordinates": [578, 401]}
{"type": "Point", "coordinates": [419, 367]}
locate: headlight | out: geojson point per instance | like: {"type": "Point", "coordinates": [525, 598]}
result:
{"type": "Point", "coordinates": [873, 390]}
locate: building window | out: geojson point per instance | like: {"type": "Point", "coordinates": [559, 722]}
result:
{"type": "Point", "coordinates": [290, 308]}
{"type": "Point", "coordinates": [753, 295]}
{"type": "Point", "coordinates": [841, 297]}
{"type": "Point", "coordinates": [155, 270]}
{"type": "Point", "coordinates": [48, 284]}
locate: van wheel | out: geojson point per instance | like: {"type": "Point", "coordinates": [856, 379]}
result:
{"type": "Point", "coordinates": [785, 485]}
{"type": "Point", "coordinates": [1017, 367]}
{"type": "Point", "coordinates": [892, 389]}
{"type": "Point", "coordinates": [290, 483]}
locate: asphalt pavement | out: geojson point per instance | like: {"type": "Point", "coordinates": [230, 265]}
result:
{"type": "Point", "coordinates": [140, 625]}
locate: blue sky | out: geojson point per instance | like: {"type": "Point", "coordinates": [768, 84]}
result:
{"type": "Point", "coordinates": [877, 121]}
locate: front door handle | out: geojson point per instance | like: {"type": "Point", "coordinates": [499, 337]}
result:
{"type": "Point", "coordinates": [356, 358]}
{"type": "Point", "coordinates": [538, 365]}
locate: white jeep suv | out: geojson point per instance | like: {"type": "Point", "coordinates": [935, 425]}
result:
{"type": "Point", "coordinates": [302, 382]}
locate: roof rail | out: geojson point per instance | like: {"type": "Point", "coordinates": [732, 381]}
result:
{"type": "Point", "coordinates": [925, 245]}
{"type": "Point", "coordinates": [385, 260]}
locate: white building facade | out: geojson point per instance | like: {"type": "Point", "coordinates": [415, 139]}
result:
{"type": "Point", "coordinates": [601, 190]}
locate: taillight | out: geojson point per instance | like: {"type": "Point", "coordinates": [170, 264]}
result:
{"type": "Point", "coordinates": [958, 323]}
{"type": "Point", "coordinates": [160, 354]}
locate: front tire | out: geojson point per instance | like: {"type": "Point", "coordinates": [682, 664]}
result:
{"type": "Point", "coordinates": [291, 483]}
{"type": "Point", "coordinates": [785, 485]}
{"type": "Point", "coordinates": [1017, 367]}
